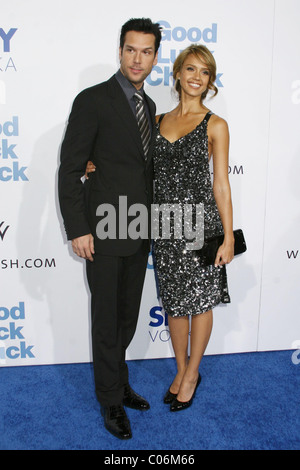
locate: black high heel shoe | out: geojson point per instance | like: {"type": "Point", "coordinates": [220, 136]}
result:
{"type": "Point", "coordinates": [169, 397]}
{"type": "Point", "coordinates": [177, 405]}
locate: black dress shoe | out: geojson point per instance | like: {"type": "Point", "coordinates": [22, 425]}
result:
{"type": "Point", "coordinates": [133, 400]}
{"type": "Point", "coordinates": [169, 397]}
{"type": "Point", "coordinates": [177, 405]}
{"type": "Point", "coordinates": [116, 421]}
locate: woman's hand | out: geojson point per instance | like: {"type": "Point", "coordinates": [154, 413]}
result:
{"type": "Point", "coordinates": [225, 253]}
{"type": "Point", "coordinates": [90, 167]}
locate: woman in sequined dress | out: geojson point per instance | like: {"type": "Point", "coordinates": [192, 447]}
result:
{"type": "Point", "coordinates": [187, 138]}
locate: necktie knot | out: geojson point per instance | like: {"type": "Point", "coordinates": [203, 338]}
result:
{"type": "Point", "coordinates": [138, 97]}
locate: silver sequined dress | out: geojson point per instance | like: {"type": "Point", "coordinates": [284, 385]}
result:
{"type": "Point", "coordinates": [182, 176]}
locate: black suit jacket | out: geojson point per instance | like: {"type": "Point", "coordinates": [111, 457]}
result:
{"type": "Point", "coordinates": [103, 128]}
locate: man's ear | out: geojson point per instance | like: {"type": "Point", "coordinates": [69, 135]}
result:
{"type": "Point", "coordinates": [120, 52]}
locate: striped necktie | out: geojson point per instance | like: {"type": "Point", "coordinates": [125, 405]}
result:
{"type": "Point", "coordinates": [142, 122]}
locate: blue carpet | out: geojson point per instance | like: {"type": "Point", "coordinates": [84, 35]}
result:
{"type": "Point", "coordinates": [245, 402]}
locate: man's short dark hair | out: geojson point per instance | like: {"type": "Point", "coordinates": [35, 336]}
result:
{"type": "Point", "coordinates": [143, 25]}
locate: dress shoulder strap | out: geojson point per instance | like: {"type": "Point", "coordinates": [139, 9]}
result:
{"type": "Point", "coordinates": [161, 117]}
{"type": "Point", "coordinates": [208, 116]}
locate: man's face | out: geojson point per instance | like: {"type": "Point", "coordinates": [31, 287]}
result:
{"type": "Point", "coordinates": [137, 57]}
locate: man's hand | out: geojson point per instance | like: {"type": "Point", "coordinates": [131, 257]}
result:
{"type": "Point", "coordinates": [84, 246]}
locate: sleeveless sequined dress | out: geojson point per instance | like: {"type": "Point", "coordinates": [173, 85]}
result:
{"type": "Point", "coordinates": [182, 176]}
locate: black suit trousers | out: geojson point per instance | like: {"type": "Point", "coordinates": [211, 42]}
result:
{"type": "Point", "coordinates": [116, 285]}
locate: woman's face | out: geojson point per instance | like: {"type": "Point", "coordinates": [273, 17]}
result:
{"type": "Point", "coordinates": [193, 76]}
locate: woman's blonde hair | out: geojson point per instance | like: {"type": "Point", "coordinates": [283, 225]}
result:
{"type": "Point", "coordinates": [202, 53]}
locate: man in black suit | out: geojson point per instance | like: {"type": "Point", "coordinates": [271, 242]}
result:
{"type": "Point", "coordinates": [103, 127]}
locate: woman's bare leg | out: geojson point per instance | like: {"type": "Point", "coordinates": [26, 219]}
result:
{"type": "Point", "coordinates": [201, 328]}
{"type": "Point", "coordinates": [179, 330]}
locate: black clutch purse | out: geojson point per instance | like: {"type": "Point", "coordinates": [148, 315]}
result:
{"type": "Point", "coordinates": [208, 252]}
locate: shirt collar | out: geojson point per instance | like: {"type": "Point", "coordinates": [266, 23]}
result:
{"type": "Point", "coordinates": [126, 86]}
